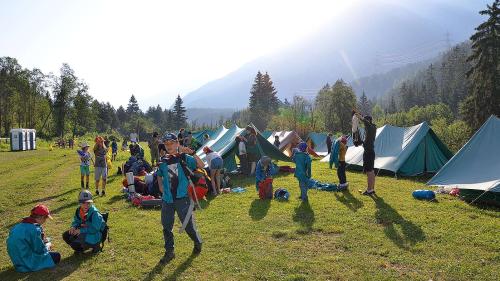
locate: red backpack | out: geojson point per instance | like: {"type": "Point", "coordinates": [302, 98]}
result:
{"type": "Point", "coordinates": [266, 189]}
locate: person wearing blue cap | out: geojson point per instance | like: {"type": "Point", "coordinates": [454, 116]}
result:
{"type": "Point", "coordinates": [302, 169]}
{"type": "Point", "coordinates": [173, 180]}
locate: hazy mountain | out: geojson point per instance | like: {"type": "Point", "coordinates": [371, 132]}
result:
{"type": "Point", "coordinates": [208, 116]}
{"type": "Point", "coordinates": [368, 38]}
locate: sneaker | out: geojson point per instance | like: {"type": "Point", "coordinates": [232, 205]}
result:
{"type": "Point", "coordinates": [97, 192]}
{"type": "Point", "coordinates": [103, 193]}
{"type": "Point", "coordinates": [197, 249]}
{"type": "Point", "coordinates": [96, 249]}
{"type": "Point", "coordinates": [368, 193]}
{"type": "Point", "coordinates": [167, 257]}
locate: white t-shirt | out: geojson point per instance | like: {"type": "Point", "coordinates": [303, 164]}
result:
{"type": "Point", "coordinates": [242, 148]}
{"type": "Point", "coordinates": [355, 123]}
{"type": "Point", "coordinates": [211, 156]}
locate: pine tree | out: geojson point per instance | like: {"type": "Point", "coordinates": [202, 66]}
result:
{"type": "Point", "coordinates": [179, 113]}
{"type": "Point", "coordinates": [392, 106]}
{"type": "Point", "coordinates": [64, 92]}
{"type": "Point", "coordinates": [133, 107]}
{"type": "Point", "coordinates": [364, 105]}
{"type": "Point", "coordinates": [484, 98]}
{"type": "Point", "coordinates": [121, 115]}
{"type": "Point", "coordinates": [263, 102]}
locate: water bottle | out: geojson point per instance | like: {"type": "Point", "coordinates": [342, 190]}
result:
{"type": "Point", "coordinates": [424, 194]}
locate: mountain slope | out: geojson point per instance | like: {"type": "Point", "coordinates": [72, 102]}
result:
{"type": "Point", "coordinates": [368, 39]}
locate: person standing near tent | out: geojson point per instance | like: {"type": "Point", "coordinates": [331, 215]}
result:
{"type": "Point", "coordinates": [215, 164]}
{"type": "Point", "coordinates": [369, 152]}
{"type": "Point", "coordinates": [153, 147]}
{"type": "Point", "coordinates": [100, 164]}
{"type": "Point", "coordinates": [277, 141]}
{"type": "Point", "coordinates": [242, 154]}
{"type": "Point", "coordinates": [329, 142]}
{"type": "Point", "coordinates": [302, 169]}
{"type": "Point", "coordinates": [252, 149]}
{"type": "Point", "coordinates": [342, 142]}
{"type": "Point", "coordinates": [27, 246]}
{"type": "Point", "coordinates": [173, 183]}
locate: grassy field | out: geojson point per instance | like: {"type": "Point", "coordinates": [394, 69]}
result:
{"type": "Point", "coordinates": [337, 236]}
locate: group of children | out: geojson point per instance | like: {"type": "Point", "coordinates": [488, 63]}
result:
{"type": "Point", "coordinates": [30, 250]}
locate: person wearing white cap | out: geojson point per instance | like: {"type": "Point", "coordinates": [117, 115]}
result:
{"type": "Point", "coordinates": [85, 158]}
{"type": "Point", "coordinates": [85, 231]}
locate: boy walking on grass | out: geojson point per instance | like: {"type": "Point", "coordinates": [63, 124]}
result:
{"type": "Point", "coordinates": [302, 169]}
{"type": "Point", "coordinates": [85, 158]}
{"type": "Point", "coordinates": [173, 183]}
{"type": "Point", "coordinates": [342, 165]}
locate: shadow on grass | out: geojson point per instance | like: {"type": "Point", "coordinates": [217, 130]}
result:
{"type": "Point", "coordinates": [304, 215]}
{"type": "Point", "coordinates": [177, 272]}
{"type": "Point", "coordinates": [59, 272]}
{"type": "Point", "coordinates": [388, 217]}
{"type": "Point", "coordinates": [74, 203]}
{"type": "Point", "coordinates": [49, 197]}
{"type": "Point", "coordinates": [259, 208]}
{"type": "Point", "coordinates": [116, 198]}
{"type": "Point", "coordinates": [348, 200]}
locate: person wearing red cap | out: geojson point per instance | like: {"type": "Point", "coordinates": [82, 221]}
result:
{"type": "Point", "coordinates": [28, 248]}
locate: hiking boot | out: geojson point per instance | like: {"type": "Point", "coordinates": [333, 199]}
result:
{"type": "Point", "coordinates": [197, 249]}
{"type": "Point", "coordinates": [167, 257]}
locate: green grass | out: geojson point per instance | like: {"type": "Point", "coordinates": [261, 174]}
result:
{"type": "Point", "coordinates": [338, 236]}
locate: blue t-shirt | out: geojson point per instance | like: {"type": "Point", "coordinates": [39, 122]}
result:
{"type": "Point", "coordinates": [175, 182]}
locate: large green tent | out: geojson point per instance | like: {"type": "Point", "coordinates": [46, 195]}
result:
{"type": "Point", "coordinates": [225, 145]}
{"type": "Point", "coordinates": [475, 169]}
{"type": "Point", "coordinates": [404, 151]}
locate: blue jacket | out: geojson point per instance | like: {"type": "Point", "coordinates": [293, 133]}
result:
{"type": "Point", "coordinates": [302, 166]}
{"type": "Point", "coordinates": [261, 175]}
{"type": "Point", "coordinates": [334, 155]}
{"type": "Point", "coordinates": [182, 188]}
{"type": "Point", "coordinates": [26, 248]}
{"type": "Point", "coordinates": [93, 225]}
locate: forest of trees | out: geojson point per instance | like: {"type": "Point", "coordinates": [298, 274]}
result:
{"type": "Point", "coordinates": [61, 105]}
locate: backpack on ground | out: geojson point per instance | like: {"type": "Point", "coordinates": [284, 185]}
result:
{"type": "Point", "coordinates": [266, 189]}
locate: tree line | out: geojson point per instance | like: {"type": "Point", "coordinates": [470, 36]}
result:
{"type": "Point", "coordinates": [61, 105]}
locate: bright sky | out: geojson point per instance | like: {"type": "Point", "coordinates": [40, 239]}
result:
{"type": "Point", "coordinates": [149, 48]}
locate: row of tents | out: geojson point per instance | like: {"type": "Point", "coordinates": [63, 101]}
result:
{"type": "Point", "coordinates": [407, 151]}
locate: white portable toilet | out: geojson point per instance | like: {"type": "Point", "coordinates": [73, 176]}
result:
{"type": "Point", "coordinates": [33, 139]}
{"type": "Point", "coordinates": [17, 140]}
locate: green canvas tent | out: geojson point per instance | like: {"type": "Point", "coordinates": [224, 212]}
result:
{"type": "Point", "coordinates": [404, 151]}
{"type": "Point", "coordinates": [225, 145]}
{"type": "Point", "coordinates": [475, 169]}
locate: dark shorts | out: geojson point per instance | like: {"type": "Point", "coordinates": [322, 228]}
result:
{"type": "Point", "coordinates": [368, 160]}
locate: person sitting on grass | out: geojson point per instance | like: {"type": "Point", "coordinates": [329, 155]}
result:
{"type": "Point", "coordinates": [215, 164]}
{"type": "Point", "coordinates": [85, 158]}
{"type": "Point", "coordinates": [27, 246]}
{"type": "Point", "coordinates": [173, 183]}
{"type": "Point", "coordinates": [85, 231]}
{"type": "Point", "coordinates": [263, 170]}
{"type": "Point", "coordinates": [302, 169]}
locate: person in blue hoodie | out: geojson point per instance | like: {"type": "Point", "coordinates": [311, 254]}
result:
{"type": "Point", "coordinates": [264, 169]}
{"type": "Point", "coordinates": [28, 248]}
{"type": "Point", "coordinates": [302, 169]}
{"type": "Point", "coordinates": [85, 231]}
